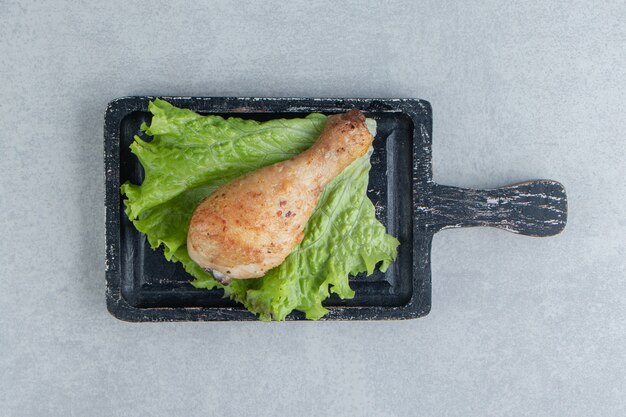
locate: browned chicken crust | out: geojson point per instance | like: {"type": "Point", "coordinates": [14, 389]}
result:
{"type": "Point", "coordinates": [250, 225]}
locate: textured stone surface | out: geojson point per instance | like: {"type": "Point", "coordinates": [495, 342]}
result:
{"type": "Point", "coordinates": [519, 326]}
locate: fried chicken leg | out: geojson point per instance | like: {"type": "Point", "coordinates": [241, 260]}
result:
{"type": "Point", "coordinates": [250, 225]}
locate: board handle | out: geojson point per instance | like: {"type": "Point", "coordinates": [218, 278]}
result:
{"type": "Point", "coordinates": [533, 208]}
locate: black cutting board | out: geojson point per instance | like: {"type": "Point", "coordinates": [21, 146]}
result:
{"type": "Point", "coordinates": [143, 286]}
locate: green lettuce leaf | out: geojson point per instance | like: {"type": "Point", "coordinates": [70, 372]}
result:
{"type": "Point", "coordinates": [191, 155]}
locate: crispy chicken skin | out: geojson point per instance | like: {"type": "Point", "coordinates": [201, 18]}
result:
{"type": "Point", "coordinates": [250, 225]}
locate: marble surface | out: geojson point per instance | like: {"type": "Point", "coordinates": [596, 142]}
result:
{"type": "Point", "coordinates": [519, 326]}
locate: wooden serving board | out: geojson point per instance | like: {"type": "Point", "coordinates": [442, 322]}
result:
{"type": "Point", "coordinates": [143, 286]}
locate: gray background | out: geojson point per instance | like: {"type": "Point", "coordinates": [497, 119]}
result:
{"type": "Point", "coordinates": [519, 326]}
